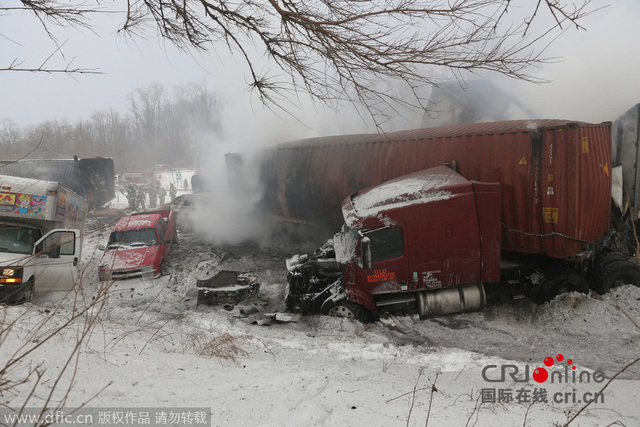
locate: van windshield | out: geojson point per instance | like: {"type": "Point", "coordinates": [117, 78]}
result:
{"type": "Point", "coordinates": [133, 238]}
{"type": "Point", "coordinates": [17, 239]}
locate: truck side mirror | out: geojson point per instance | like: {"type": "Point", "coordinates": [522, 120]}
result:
{"type": "Point", "coordinates": [365, 246]}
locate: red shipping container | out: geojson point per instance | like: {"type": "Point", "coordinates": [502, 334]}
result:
{"type": "Point", "coordinates": [554, 175]}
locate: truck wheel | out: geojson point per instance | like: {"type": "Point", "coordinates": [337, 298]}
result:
{"type": "Point", "coordinates": [346, 309]}
{"type": "Point", "coordinates": [559, 280]}
{"type": "Point", "coordinates": [162, 270]}
{"type": "Point", "coordinates": [608, 258]}
{"type": "Point", "coordinates": [616, 273]}
{"type": "Point", "coordinates": [595, 274]}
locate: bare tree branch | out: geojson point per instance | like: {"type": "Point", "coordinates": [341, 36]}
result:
{"type": "Point", "coordinates": [42, 68]}
{"type": "Point", "coordinates": [344, 50]}
{"type": "Point", "coordinates": [336, 50]}
{"type": "Point", "coordinates": [577, 414]}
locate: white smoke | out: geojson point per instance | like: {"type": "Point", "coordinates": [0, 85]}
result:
{"type": "Point", "coordinates": [226, 213]}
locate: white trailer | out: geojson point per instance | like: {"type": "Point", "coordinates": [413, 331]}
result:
{"type": "Point", "coordinates": [41, 230]}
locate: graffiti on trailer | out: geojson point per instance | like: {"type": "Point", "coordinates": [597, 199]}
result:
{"type": "Point", "coordinates": [61, 207]}
{"type": "Point", "coordinates": [22, 203]}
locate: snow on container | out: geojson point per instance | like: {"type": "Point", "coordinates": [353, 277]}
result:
{"type": "Point", "coordinates": [554, 175]}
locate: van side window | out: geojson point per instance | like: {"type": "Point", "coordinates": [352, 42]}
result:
{"type": "Point", "coordinates": [62, 242]}
{"type": "Point", "coordinates": [386, 244]}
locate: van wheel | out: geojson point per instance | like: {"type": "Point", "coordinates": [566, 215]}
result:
{"type": "Point", "coordinates": [27, 294]}
{"type": "Point", "coordinates": [346, 309]}
{"type": "Point", "coordinates": [560, 279]}
{"type": "Point", "coordinates": [616, 273]}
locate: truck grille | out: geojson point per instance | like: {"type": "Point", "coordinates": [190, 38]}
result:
{"type": "Point", "coordinates": [106, 275]}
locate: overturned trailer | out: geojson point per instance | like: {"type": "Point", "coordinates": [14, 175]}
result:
{"type": "Point", "coordinates": [626, 155]}
{"type": "Point", "coordinates": [91, 178]}
{"type": "Point", "coordinates": [557, 224]}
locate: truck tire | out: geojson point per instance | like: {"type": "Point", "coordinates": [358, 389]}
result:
{"type": "Point", "coordinates": [561, 279]}
{"type": "Point", "coordinates": [162, 270]}
{"type": "Point", "coordinates": [346, 309]}
{"type": "Point", "coordinates": [608, 258]}
{"type": "Point", "coordinates": [594, 276]}
{"type": "Point", "coordinates": [616, 273]}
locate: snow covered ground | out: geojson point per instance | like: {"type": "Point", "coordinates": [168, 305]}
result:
{"type": "Point", "coordinates": [149, 347]}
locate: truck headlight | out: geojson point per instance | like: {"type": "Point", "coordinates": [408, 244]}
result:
{"type": "Point", "coordinates": [8, 272]}
{"type": "Point", "coordinates": [296, 261]}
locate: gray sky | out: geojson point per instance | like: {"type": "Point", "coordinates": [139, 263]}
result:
{"type": "Point", "coordinates": [596, 80]}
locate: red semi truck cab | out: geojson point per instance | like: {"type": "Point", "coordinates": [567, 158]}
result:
{"type": "Point", "coordinates": [427, 240]}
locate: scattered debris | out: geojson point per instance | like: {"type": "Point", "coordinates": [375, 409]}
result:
{"type": "Point", "coordinates": [284, 317]}
{"type": "Point", "coordinates": [227, 288]}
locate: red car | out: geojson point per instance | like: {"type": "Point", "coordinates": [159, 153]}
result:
{"type": "Point", "coordinates": [138, 246]}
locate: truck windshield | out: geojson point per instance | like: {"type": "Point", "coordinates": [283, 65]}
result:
{"type": "Point", "coordinates": [345, 243]}
{"type": "Point", "coordinates": [17, 239]}
{"type": "Point", "coordinates": [133, 238]}
{"type": "Point", "coordinates": [386, 243]}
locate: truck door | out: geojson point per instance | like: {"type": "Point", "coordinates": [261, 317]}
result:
{"type": "Point", "coordinates": [445, 249]}
{"type": "Point", "coordinates": [57, 256]}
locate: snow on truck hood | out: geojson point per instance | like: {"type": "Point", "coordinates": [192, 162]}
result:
{"type": "Point", "coordinates": [128, 259]}
{"type": "Point", "coordinates": [424, 186]}
{"type": "Point", "coordinates": [135, 222]}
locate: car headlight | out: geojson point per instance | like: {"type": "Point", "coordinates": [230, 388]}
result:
{"type": "Point", "coordinates": [8, 272]}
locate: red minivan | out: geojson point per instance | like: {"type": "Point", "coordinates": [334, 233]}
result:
{"type": "Point", "coordinates": [138, 246]}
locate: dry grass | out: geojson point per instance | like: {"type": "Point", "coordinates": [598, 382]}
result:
{"type": "Point", "coordinates": [225, 346]}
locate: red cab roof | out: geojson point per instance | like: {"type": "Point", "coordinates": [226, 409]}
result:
{"type": "Point", "coordinates": [425, 186]}
{"type": "Point", "coordinates": [137, 221]}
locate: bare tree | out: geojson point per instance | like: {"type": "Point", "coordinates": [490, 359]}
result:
{"type": "Point", "coordinates": [112, 132]}
{"type": "Point", "coordinates": [350, 50]}
{"type": "Point", "coordinates": [10, 136]}
{"type": "Point", "coordinates": [160, 128]}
